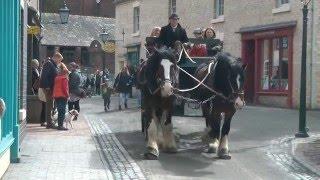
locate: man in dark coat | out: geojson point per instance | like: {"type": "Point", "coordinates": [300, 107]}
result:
{"type": "Point", "coordinates": [169, 35]}
{"type": "Point", "coordinates": [172, 32]}
{"type": "Point", "coordinates": [49, 72]}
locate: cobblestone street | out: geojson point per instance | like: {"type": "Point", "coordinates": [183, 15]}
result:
{"type": "Point", "coordinates": [110, 145]}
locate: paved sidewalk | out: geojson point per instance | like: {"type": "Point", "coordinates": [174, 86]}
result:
{"type": "Point", "coordinates": [307, 152]}
{"type": "Point", "coordinates": [52, 154]}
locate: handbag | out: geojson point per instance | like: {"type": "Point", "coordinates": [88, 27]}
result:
{"type": "Point", "coordinates": [42, 95]}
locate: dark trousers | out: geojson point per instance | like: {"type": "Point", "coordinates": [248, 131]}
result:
{"type": "Point", "coordinates": [43, 112]}
{"type": "Point", "coordinates": [49, 106]}
{"type": "Point", "coordinates": [98, 90]}
{"type": "Point", "coordinates": [106, 101]}
{"type": "Point", "coordinates": [61, 106]}
{"type": "Point", "coordinates": [74, 105]}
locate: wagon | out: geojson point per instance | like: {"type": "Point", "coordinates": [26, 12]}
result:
{"type": "Point", "coordinates": [181, 108]}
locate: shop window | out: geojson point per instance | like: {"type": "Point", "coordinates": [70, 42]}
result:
{"type": "Point", "coordinates": [274, 61]}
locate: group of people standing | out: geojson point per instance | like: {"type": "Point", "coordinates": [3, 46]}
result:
{"type": "Point", "coordinates": [56, 86]}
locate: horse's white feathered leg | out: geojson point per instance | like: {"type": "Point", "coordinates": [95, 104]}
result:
{"type": "Point", "coordinates": [153, 133]}
{"type": "Point", "coordinates": [168, 136]}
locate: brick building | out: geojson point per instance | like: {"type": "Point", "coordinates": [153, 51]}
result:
{"type": "Point", "coordinates": [266, 34]}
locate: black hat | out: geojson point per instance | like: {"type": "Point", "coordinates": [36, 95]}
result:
{"type": "Point", "coordinates": [174, 16]}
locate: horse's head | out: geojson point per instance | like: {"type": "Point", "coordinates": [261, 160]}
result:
{"type": "Point", "coordinates": [166, 71]}
{"type": "Point", "coordinates": [236, 81]}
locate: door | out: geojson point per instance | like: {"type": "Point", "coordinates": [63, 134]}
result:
{"type": "Point", "coordinates": [249, 59]}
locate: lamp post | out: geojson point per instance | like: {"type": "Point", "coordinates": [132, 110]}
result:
{"type": "Point", "coordinates": [302, 133]}
{"type": "Point", "coordinates": [104, 38]}
{"type": "Point", "coordinates": [64, 13]}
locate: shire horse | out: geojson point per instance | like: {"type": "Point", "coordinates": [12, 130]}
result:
{"type": "Point", "coordinates": [225, 85]}
{"type": "Point", "coordinates": [160, 71]}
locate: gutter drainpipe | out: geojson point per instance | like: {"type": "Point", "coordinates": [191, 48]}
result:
{"type": "Point", "coordinates": [313, 61]}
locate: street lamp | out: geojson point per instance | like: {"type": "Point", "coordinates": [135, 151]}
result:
{"type": "Point", "coordinates": [64, 13]}
{"type": "Point", "coordinates": [104, 38]}
{"type": "Point", "coordinates": [302, 110]}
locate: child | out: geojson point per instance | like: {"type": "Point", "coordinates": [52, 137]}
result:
{"type": "Point", "coordinates": [106, 93]}
{"type": "Point", "coordinates": [61, 94]}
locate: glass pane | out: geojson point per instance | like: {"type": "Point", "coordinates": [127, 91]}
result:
{"type": "Point", "coordinates": [279, 76]}
{"type": "Point", "coordinates": [265, 64]}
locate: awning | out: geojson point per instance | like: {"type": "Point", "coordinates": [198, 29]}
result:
{"type": "Point", "coordinates": [268, 27]}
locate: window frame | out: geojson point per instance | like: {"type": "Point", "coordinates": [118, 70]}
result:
{"type": "Point", "coordinates": [218, 8]}
{"type": "Point", "coordinates": [136, 19]}
{"type": "Point", "coordinates": [280, 3]}
{"type": "Point", "coordinates": [172, 7]}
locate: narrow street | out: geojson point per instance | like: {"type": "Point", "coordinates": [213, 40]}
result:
{"type": "Point", "coordinates": [260, 142]}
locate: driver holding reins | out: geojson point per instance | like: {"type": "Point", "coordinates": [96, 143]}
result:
{"type": "Point", "coordinates": [169, 36]}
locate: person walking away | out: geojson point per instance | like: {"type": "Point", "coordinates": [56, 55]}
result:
{"type": "Point", "coordinates": [35, 79]}
{"type": "Point", "coordinates": [74, 88]}
{"type": "Point", "coordinates": [122, 85]}
{"type": "Point", "coordinates": [61, 94]}
{"type": "Point", "coordinates": [47, 78]}
{"type": "Point", "coordinates": [98, 82]}
{"type": "Point", "coordinates": [106, 92]}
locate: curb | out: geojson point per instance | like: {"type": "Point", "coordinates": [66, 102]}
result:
{"type": "Point", "coordinates": [296, 157]}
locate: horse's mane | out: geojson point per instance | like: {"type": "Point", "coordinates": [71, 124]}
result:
{"type": "Point", "coordinates": [162, 53]}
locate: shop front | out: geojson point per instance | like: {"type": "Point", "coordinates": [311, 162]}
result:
{"type": "Point", "coordinates": [268, 51]}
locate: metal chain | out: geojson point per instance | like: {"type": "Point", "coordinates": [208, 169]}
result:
{"type": "Point", "coordinates": [195, 101]}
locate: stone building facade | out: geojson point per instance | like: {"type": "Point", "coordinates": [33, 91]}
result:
{"type": "Point", "coordinates": [266, 34]}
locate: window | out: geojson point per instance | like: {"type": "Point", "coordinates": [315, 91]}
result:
{"type": "Point", "coordinates": [274, 61]}
{"type": "Point", "coordinates": [172, 6]}
{"type": "Point", "coordinates": [136, 19]}
{"type": "Point", "coordinates": [281, 2]}
{"type": "Point", "coordinates": [219, 8]}
{"type": "Point", "coordinates": [133, 55]}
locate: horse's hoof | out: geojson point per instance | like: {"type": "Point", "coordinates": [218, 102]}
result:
{"type": "Point", "coordinates": [212, 150]}
{"type": "Point", "coordinates": [224, 154]}
{"type": "Point", "coordinates": [151, 154]}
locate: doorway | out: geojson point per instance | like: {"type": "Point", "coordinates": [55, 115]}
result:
{"type": "Point", "coordinates": [249, 58]}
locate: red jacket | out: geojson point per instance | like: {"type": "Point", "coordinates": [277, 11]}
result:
{"type": "Point", "coordinates": [61, 87]}
{"type": "Point", "coordinates": [199, 50]}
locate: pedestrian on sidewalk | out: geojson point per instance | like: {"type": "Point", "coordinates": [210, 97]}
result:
{"type": "Point", "coordinates": [35, 76]}
{"type": "Point", "coordinates": [61, 94]}
{"type": "Point", "coordinates": [123, 84]}
{"type": "Point", "coordinates": [47, 78]}
{"type": "Point", "coordinates": [76, 93]}
{"type": "Point", "coordinates": [106, 91]}
{"type": "Point", "coordinates": [98, 82]}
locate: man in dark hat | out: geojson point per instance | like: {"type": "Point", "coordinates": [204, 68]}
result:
{"type": "Point", "coordinates": [172, 32]}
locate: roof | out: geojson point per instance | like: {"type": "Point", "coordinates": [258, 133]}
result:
{"type": "Point", "coordinates": [268, 27]}
{"type": "Point", "coordinates": [79, 31]}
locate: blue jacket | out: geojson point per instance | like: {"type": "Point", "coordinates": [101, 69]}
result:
{"type": "Point", "coordinates": [48, 74]}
